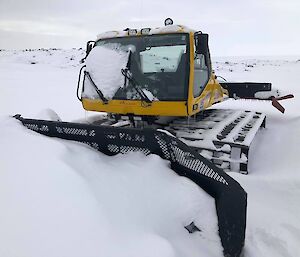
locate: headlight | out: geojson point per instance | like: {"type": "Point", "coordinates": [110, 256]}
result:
{"type": "Point", "coordinates": [145, 31]}
{"type": "Point", "coordinates": [132, 32]}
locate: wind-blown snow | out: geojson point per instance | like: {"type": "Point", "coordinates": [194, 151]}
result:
{"type": "Point", "coordinates": [267, 94]}
{"type": "Point", "coordinates": [169, 29]}
{"type": "Point", "coordinates": [104, 65]}
{"type": "Point", "coordinates": [159, 30]}
{"type": "Point", "coordinates": [149, 94]}
{"type": "Point", "coordinates": [65, 199]}
{"type": "Point", "coordinates": [111, 34]}
{"type": "Point", "coordinates": [61, 198]}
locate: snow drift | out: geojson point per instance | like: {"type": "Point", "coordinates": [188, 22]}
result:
{"type": "Point", "coordinates": [74, 201]}
{"type": "Point", "coordinates": [62, 198]}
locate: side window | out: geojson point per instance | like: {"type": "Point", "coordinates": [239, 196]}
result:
{"type": "Point", "coordinates": [201, 74]}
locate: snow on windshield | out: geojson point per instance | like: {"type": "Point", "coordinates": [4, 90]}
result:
{"type": "Point", "coordinates": [104, 64]}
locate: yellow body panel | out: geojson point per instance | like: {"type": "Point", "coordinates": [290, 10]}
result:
{"type": "Point", "coordinates": [137, 107]}
{"type": "Point", "coordinates": [212, 93]}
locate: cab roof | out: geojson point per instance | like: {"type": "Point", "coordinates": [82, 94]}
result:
{"type": "Point", "coordinates": [150, 31]}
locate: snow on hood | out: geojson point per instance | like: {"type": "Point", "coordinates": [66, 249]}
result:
{"type": "Point", "coordinates": [104, 65]}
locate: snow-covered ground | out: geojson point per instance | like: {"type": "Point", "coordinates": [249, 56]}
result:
{"type": "Point", "coordinates": [61, 198]}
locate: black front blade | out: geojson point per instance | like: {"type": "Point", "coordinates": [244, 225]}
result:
{"type": "Point", "coordinates": [230, 197]}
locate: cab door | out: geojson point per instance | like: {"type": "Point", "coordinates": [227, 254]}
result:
{"type": "Point", "coordinates": [202, 89]}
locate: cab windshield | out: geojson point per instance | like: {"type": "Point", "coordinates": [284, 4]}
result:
{"type": "Point", "coordinates": [158, 63]}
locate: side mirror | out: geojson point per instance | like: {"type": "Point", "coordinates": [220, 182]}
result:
{"type": "Point", "coordinates": [201, 47]}
{"type": "Point", "coordinates": [201, 43]}
{"type": "Point", "coordinates": [89, 46]}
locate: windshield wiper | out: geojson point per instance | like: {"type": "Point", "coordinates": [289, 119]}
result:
{"type": "Point", "coordinates": [102, 97]}
{"type": "Point", "coordinates": [128, 75]}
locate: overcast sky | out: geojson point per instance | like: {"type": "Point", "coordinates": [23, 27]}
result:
{"type": "Point", "coordinates": [252, 27]}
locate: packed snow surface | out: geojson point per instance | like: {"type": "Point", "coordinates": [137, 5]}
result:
{"type": "Point", "coordinates": [104, 65]}
{"type": "Point", "coordinates": [65, 199]}
{"type": "Point", "coordinates": [61, 198]}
